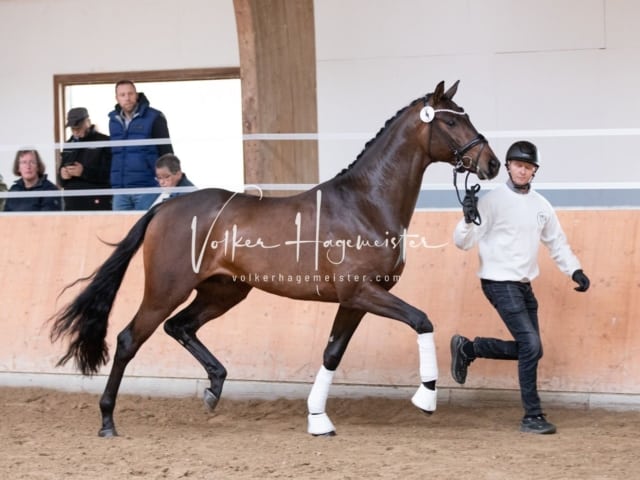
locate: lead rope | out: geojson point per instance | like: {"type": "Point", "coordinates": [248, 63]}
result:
{"type": "Point", "coordinates": [477, 220]}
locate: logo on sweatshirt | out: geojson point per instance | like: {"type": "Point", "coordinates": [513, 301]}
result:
{"type": "Point", "coordinates": [543, 218]}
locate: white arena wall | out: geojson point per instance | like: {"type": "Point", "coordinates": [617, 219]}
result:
{"type": "Point", "coordinates": [562, 73]}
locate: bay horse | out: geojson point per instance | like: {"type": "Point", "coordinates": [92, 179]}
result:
{"type": "Point", "coordinates": [346, 238]}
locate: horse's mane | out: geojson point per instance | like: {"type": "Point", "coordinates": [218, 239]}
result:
{"type": "Point", "coordinates": [384, 127]}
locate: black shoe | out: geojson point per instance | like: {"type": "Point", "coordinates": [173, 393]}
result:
{"type": "Point", "coordinates": [459, 360]}
{"type": "Point", "coordinates": [537, 424]}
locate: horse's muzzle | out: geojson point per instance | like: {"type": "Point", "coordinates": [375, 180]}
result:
{"type": "Point", "coordinates": [492, 169]}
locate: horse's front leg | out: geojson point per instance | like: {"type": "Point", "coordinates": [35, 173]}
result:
{"type": "Point", "coordinates": [375, 299]}
{"type": "Point", "coordinates": [345, 323]}
{"type": "Point", "coordinates": [425, 397]}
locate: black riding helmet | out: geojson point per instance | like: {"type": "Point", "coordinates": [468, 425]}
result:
{"type": "Point", "coordinates": [523, 151]}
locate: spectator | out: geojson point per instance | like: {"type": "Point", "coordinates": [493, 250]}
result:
{"type": "Point", "coordinates": [29, 167]}
{"type": "Point", "coordinates": [134, 166]}
{"type": "Point", "coordinates": [169, 175]}
{"type": "Point", "coordinates": [85, 168]}
{"type": "Point", "coordinates": [3, 188]}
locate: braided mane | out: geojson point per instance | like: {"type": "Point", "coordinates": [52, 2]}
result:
{"type": "Point", "coordinates": [384, 127]}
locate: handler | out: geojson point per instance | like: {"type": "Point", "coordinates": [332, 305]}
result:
{"type": "Point", "coordinates": [514, 220]}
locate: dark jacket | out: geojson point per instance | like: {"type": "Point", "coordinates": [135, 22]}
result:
{"type": "Point", "coordinates": [96, 163]}
{"type": "Point", "coordinates": [164, 196]}
{"type": "Point", "coordinates": [3, 188]}
{"type": "Point", "coordinates": [135, 166]}
{"type": "Point", "coordinates": [184, 182]}
{"type": "Point", "coordinates": [29, 204]}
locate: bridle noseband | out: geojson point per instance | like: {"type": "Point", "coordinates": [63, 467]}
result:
{"type": "Point", "coordinates": [460, 154]}
{"type": "Point", "coordinates": [427, 115]}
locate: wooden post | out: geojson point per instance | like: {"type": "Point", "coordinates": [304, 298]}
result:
{"type": "Point", "coordinates": [278, 75]}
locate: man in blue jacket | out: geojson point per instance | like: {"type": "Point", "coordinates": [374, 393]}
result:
{"type": "Point", "coordinates": [133, 166]}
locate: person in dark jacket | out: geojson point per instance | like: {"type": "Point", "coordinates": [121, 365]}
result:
{"type": "Point", "coordinates": [3, 188]}
{"type": "Point", "coordinates": [133, 166]}
{"type": "Point", "coordinates": [30, 168]}
{"type": "Point", "coordinates": [85, 168]}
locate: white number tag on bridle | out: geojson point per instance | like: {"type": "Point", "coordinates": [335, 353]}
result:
{"type": "Point", "coordinates": [427, 114]}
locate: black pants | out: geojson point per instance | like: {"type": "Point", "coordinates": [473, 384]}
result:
{"type": "Point", "coordinates": [518, 308]}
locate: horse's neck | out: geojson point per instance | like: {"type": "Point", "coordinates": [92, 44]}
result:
{"type": "Point", "coordinates": [390, 173]}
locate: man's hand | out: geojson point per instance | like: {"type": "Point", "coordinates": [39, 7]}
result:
{"type": "Point", "coordinates": [582, 280]}
{"type": "Point", "coordinates": [73, 170]}
{"type": "Point", "coordinates": [469, 208]}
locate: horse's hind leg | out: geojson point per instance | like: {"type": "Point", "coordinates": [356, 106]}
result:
{"type": "Point", "coordinates": [344, 325]}
{"type": "Point", "coordinates": [130, 339]}
{"type": "Point", "coordinates": [214, 297]}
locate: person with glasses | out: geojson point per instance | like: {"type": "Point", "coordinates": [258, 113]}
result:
{"type": "Point", "coordinates": [28, 165]}
{"type": "Point", "coordinates": [169, 174]}
{"type": "Point", "coordinates": [515, 219]}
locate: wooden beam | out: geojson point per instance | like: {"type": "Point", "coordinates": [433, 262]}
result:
{"type": "Point", "coordinates": [278, 75]}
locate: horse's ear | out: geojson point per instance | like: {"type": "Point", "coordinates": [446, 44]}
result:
{"type": "Point", "coordinates": [438, 92]}
{"type": "Point", "coordinates": [452, 90]}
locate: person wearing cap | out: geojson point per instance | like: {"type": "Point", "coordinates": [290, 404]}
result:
{"type": "Point", "coordinates": [134, 165]}
{"type": "Point", "coordinates": [86, 168]}
{"type": "Point", "coordinates": [514, 220]}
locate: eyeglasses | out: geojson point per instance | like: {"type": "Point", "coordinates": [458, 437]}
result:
{"type": "Point", "coordinates": [165, 177]}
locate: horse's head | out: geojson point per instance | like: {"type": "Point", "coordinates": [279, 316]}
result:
{"type": "Point", "coordinates": [453, 138]}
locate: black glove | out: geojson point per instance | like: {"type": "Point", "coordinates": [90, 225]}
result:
{"type": "Point", "coordinates": [582, 280]}
{"type": "Point", "coordinates": [469, 208]}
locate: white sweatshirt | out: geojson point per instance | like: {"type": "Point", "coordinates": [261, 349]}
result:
{"type": "Point", "coordinates": [512, 227]}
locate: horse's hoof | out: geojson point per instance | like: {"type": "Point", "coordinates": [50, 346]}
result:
{"type": "Point", "coordinates": [107, 433]}
{"type": "Point", "coordinates": [332, 433]}
{"type": "Point", "coordinates": [319, 425]}
{"type": "Point", "coordinates": [425, 399]}
{"type": "Point", "coordinates": [210, 400]}
{"type": "Point", "coordinates": [426, 412]}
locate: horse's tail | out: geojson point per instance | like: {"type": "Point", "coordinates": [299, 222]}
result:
{"type": "Point", "coordinates": [85, 319]}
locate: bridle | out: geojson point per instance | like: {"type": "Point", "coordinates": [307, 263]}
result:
{"type": "Point", "coordinates": [463, 161]}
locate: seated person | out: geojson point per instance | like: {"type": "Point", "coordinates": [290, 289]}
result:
{"type": "Point", "coordinates": [30, 168]}
{"type": "Point", "coordinates": [169, 174]}
{"type": "Point", "coordinates": [3, 188]}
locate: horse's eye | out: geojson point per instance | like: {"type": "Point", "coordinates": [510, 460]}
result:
{"type": "Point", "coordinates": [451, 122]}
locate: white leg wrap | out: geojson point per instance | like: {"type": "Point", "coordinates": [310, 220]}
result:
{"type": "Point", "coordinates": [428, 361]}
{"type": "Point", "coordinates": [317, 400]}
{"type": "Point", "coordinates": [318, 421]}
{"type": "Point", "coordinates": [425, 399]}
